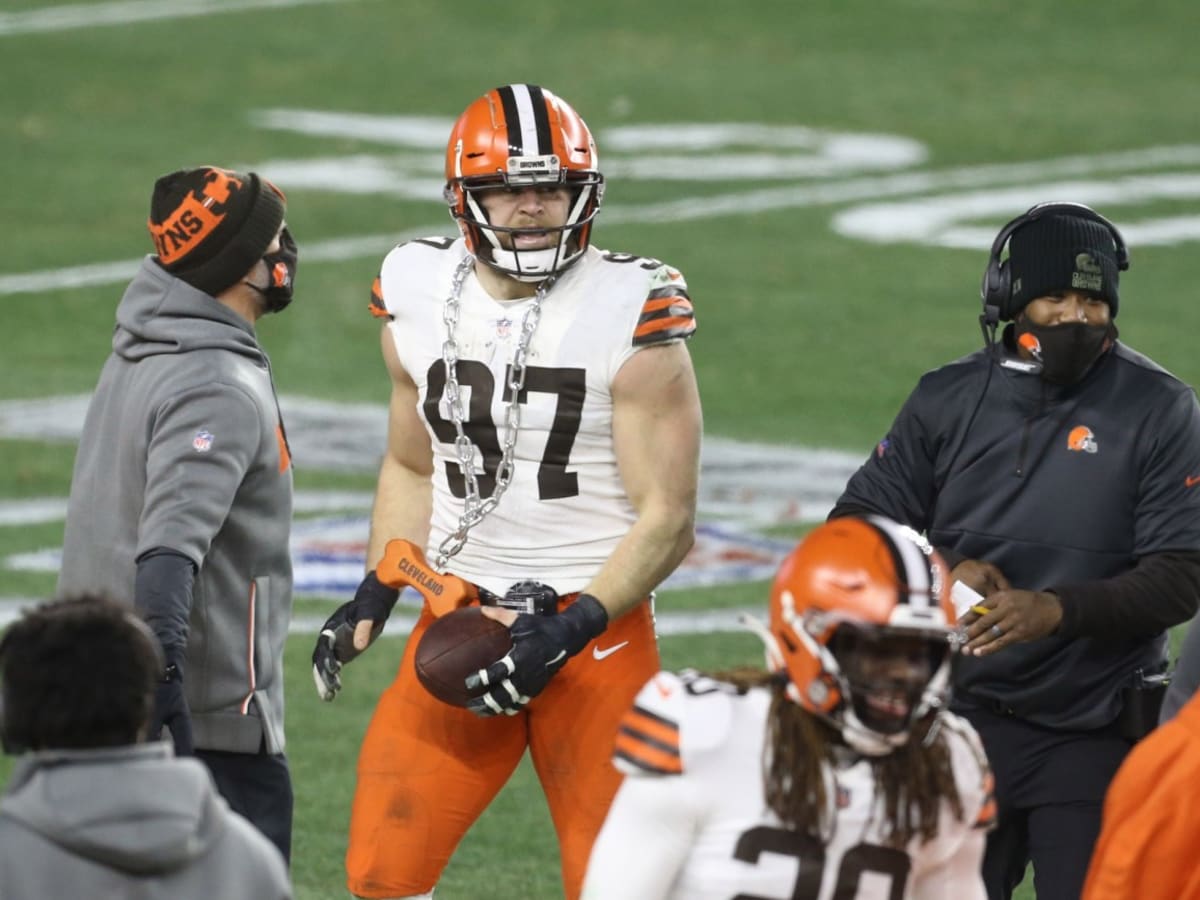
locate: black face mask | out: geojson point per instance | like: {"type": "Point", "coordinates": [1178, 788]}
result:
{"type": "Point", "coordinates": [1067, 351]}
{"type": "Point", "coordinates": [281, 269]}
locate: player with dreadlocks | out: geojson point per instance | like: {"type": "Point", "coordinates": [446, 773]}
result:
{"type": "Point", "coordinates": [837, 772]}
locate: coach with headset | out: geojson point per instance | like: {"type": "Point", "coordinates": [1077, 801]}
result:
{"type": "Point", "coordinates": [1058, 471]}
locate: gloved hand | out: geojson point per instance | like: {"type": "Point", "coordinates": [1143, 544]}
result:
{"type": "Point", "coordinates": [171, 711]}
{"type": "Point", "coordinates": [541, 646]}
{"type": "Point", "coordinates": [373, 602]}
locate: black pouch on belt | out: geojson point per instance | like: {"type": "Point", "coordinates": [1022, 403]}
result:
{"type": "Point", "coordinates": [1140, 704]}
{"type": "Point", "coordinates": [530, 597]}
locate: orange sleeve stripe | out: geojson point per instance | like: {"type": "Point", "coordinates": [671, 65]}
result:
{"type": "Point", "coordinates": [378, 308]}
{"type": "Point", "coordinates": [648, 726]}
{"type": "Point", "coordinates": [678, 301]}
{"type": "Point", "coordinates": [685, 325]}
{"type": "Point", "coordinates": [644, 756]}
{"type": "Point", "coordinates": [987, 815]}
{"type": "Point", "coordinates": [987, 811]}
{"type": "Point", "coordinates": [649, 742]}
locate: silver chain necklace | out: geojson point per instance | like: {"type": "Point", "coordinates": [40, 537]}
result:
{"type": "Point", "coordinates": [475, 508]}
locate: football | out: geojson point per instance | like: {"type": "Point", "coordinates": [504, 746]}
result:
{"type": "Point", "coordinates": [454, 646]}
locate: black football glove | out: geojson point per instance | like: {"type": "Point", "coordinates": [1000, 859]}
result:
{"type": "Point", "coordinates": [171, 711]}
{"type": "Point", "coordinates": [335, 644]}
{"type": "Point", "coordinates": [541, 646]}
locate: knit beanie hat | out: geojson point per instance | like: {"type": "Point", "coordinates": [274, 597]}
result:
{"type": "Point", "coordinates": [211, 225]}
{"type": "Point", "coordinates": [1062, 253]}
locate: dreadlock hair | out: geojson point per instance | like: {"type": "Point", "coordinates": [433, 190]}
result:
{"type": "Point", "coordinates": [800, 748]}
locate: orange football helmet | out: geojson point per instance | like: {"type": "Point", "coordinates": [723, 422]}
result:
{"type": "Point", "coordinates": [513, 136]}
{"type": "Point", "coordinates": [861, 622]}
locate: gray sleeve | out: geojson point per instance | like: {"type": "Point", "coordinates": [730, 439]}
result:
{"type": "Point", "coordinates": [201, 445]}
{"type": "Point", "coordinates": [1186, 678]}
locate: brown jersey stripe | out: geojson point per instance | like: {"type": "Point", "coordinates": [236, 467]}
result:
{"type": "Point", "coordinates": [648, 727]}
{"type": "Point", "coordinates": [647, 757]}
{"type": "Point", "coordinates": [649, 741]}
{"type": "Point", "coordinates": [378, 308]}
{"type": "Point", "coordinates": [674, 301]}
{"type": "Point", "coordinates": [629, 738]}
{"type": "Point", "coordinates": [661, 330]}
{"type": "Point", "coordinates": [671, 290]}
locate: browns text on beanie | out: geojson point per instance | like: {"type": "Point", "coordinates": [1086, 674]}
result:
{"type": "Point", "coordinates": [1062, 253]}
{"type": "Point", "coordinates": [211, 225]}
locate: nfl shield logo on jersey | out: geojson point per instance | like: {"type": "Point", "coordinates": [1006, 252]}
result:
{"type": "Point", "coordinates": [202, 442]}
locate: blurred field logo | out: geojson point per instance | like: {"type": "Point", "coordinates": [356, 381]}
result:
{"type": "Point", "coordinates": [746, 492]}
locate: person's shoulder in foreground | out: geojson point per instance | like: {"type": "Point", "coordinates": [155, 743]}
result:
{"type": "Point", "coordinates": [1151, 825]}
{"type": "Point", "coordinates": [90, 810]}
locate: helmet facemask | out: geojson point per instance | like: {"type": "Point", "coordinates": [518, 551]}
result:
{"type": "Point", "coordinates": [529, 265]}
{"type": "Point", "coordinates": [890, 681]}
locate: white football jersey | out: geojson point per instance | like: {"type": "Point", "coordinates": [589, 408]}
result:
{"type": "Point", "coordinates": [690, 821]}
{"type": "Point", "coordinates": [565, 509]}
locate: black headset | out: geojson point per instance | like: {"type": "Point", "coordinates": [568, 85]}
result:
{"type": "Point", "coordinates": [996, 289]}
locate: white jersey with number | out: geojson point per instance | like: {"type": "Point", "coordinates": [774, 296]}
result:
{"type": "Point", "coordinates": [565, 509]}
{"type": "Point", "coordinates": [690, 821]}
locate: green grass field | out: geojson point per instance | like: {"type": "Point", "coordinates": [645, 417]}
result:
{"type": "Point", "coordinates": [827, 175]}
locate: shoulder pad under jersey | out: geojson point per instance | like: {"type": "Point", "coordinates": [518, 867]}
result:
{"type": "Point", "coordinates": [378, 306]}
{"type": "Point", "coordinates": [673, 717]}
{"type": "Point", "coordinates": [667, 313]}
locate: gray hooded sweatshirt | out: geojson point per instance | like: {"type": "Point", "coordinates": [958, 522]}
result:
{"type": "Point", "coordinates": [130, 822]}
{"type": "Point", "coordinates": [183, 448]}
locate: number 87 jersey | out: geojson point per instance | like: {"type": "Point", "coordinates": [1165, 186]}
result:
{"type": "Point", "coordinates": [565, 508]}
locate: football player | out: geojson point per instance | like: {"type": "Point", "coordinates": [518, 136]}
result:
{"type": "Point", "coordinates": [835, 773]}
{"type": "Point", "coordinates": [543, 447]}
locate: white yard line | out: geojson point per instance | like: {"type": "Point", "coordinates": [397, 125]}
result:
{"type": "Point", "coordinates": [93, 15]}
{"type": "Point", "coordinates": [850, 190]}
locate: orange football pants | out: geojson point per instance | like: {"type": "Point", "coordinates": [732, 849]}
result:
{"type": "Point", "coordinates": [427, 770]}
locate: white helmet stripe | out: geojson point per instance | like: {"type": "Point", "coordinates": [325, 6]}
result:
{"type": "Point", "coordinates": [911, 563]}
{"type": "Point", "coordinates": [526, 122]}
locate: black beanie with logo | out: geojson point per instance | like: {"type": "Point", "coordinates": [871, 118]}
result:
{"type": "Point", "coordinates": [211, 225]}
{"type": "Point", "coordinates": [1062, 253]}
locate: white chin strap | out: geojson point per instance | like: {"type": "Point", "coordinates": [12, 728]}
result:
{"type": "Point", "coordinates": [532, 265]}
{"type": "Point", "coordinates": [525, 265]}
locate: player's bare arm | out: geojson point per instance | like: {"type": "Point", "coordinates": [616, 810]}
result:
{"type": "Point", "coordinates": [656, 432]}
{"type": "Point", "coordinates": [404, 493]}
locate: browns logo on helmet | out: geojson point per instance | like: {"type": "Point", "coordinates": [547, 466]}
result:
{"type": "Point", "coordinates": [1081, 440]}
{"type": "Point", "coordinates": [858, 590]}
{"type": "Point", "coordinates": [521, 135]}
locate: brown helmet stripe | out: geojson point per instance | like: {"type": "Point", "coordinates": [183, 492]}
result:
{"type": "Point", "coordinates": [914, 571]}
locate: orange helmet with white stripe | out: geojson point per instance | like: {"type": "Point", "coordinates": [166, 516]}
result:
{"type": "Point", "coordinates": [513, 136]}
{"type": "Point", "coordinates": [861, 623]}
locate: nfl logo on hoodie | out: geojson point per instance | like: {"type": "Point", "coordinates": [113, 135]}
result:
{"type": "Point", "coordinates": [202, 442]}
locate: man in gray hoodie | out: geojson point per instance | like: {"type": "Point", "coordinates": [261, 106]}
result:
{"type": "Point", "coordinates": [90, 811]}
{"type": "Point", "coordinates": [181, 498]}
